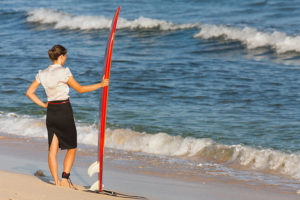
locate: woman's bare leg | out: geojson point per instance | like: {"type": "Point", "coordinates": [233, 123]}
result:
{"type": "Point", "coordinates": [68, 163]}
{"type": "Point", "coordinates": [52, 159]}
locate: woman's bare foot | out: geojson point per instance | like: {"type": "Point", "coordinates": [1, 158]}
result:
{"type": "Point", "coordinates": [65, 183]}
{"type": "Point", "coordinates": [57, 183]}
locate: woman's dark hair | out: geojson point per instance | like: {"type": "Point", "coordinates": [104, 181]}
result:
{"type": "Point", "coordinates": [56, 51]}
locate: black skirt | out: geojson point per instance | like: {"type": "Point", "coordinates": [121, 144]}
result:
{"type": "Point", "coordinates": [60, 121]}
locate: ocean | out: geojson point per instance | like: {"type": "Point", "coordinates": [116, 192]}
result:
{"type": "Point", "coordinates": [210, 83]}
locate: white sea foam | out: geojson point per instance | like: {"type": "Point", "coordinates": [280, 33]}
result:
{"type": "Point", "coordinates": [165, 144]}
{"type": "Point", "coordinates": [12, 123]}
{"type": "Point", "coordinates": [63, 20]}
{"type": "Point", "coordinates": [251, 37]}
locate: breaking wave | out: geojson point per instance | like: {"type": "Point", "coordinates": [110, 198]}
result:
{"type": "Point", "coordinates": [199, 149]}
{"type": "Point", "coordinates": [63, 20]}
{"type": "Point", "coordinates": [252, 38]}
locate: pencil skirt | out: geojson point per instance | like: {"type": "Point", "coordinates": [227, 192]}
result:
{"type": "Point", "coordinates": [60, 121]}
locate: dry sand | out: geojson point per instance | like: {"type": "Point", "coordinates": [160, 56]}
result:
{"type": "Point", "coordinates": [24, 187]}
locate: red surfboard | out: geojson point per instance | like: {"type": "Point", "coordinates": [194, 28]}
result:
{"type": "Point", "coordinates": [104, 94]}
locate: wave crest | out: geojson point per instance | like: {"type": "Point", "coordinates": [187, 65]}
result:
{"type": "Point", "coordinates": [252, 38]}
{"type": "Point", "coordinates": [63, 20]}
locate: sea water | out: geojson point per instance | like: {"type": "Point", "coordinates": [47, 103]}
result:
{"type": "Point", "coordinates": [210, 82]}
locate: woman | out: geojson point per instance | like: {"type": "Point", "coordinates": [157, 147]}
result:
{"type": "Point", "coordinates": [60, 121]}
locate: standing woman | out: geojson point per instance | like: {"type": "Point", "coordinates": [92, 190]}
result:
{"type": "Point", "coordinates": [60, 121]}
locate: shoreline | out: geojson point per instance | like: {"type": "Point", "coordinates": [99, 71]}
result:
{"type": "Point", "coordinates": [25, 156]}
{"type": "Point", "coordinates": [176, 156]}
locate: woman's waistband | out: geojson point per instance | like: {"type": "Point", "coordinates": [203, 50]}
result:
{"type": "Point", "coordinates": [59, 101]}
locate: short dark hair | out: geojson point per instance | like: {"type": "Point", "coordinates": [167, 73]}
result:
{"type": "Point", "coordinates": [56, 51]}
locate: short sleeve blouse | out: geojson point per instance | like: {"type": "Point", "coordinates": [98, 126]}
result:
{"type": "Point", "coordinates": [54, 80]}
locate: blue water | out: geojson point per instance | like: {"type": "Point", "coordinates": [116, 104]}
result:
{"type": "Point", "coordinates": [234, 87]}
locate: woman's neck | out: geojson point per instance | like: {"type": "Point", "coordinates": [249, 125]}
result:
{"type": "Point", "coordinates": [60, 60]}
{"type": "Point", "coordinates": [57, 63]}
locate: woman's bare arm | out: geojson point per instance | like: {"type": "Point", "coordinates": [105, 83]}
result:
{"type": "Point", "coordinates": [87, 88]}
{"type": "Point", "coordinates": [31, 94]}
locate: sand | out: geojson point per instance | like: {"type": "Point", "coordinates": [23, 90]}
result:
{"type": "Point", "coordinates": [15, 186]}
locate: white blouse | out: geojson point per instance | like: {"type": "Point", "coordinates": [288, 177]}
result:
{"type": "Point", "coordinates": [54, 79]}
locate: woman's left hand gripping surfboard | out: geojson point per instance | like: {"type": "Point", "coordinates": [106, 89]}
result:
{"type": "Point", "coordinates": [97, 167]}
